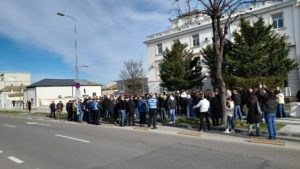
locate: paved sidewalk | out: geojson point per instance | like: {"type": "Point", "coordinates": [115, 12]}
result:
{"type": "Point", "coordinates": [290, 132]}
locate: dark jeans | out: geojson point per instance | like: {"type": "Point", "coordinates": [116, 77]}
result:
{"type": "Point", "coordinates": [163, 115]}
{"type": "Point", "coordinates": [75, 117]}
{"type": "Point", "coordinates": [96, 117]}
{"type": "Point", "coordinates": [215, 118]}
{"type": "Point", "coordinates": [90, 117]}
{"type": "Point", "coordinates": [230, 122]}
{"type": "Point", "coordinates": [52, 114]}
{"type": "Point", "coordinates": [122, 117]}
{"type": "Point", "coordinates": [202, 115]}
{"type": "Point", "coordinates": [152, 117]}
{"type": "Point", "coordinates": [237, 112]}
{"type": "Point", "coordinates": [131, 119]}
{"type": "Point", "coordinates": [111, 117]}
{"type": "Point", "coordinates": [142, 117]}
{"type": "Point", "coordinates": [280, 111]}
{"type": "Point", "coordinates": [70, 115]}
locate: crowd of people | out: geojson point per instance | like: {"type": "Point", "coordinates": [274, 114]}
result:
{"type": "Point", "coordinates": [251, 105]}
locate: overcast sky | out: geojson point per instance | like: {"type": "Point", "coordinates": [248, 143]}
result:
{"type": "Point", "coordinates": [34, 39]}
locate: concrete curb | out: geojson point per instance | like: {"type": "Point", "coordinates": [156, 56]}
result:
{"type": "Point", "coordinates": [295, 137]}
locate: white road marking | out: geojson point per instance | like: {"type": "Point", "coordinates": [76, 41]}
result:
{"type": "Point", "coordinates": [7, 125]}
{"type": "Point", "coordinates": [16, 160]}
{"type": "Point", "coordinates": [39, 124]}
{"type": "Point", "coordinates": [1, 151]}
{"type": "Point", "coordinates": [72, 138]}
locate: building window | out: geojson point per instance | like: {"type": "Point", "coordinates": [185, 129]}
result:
{"type": "Point", "coordinates": [196, 40]}
{"type": "Point", "coordinates": [159, 49]}
{"type": "Point", "coordinates": [277, 20]}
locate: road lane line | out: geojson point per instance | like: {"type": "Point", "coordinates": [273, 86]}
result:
{"type": "Point", "coordinates": [1, 151]}
{"type": "Point", "coordinates": [72, 138]}
{"type": "Point", "coordinates": [7, 125]}
{"type": "Point", "coordinates": [16, 160]}
{"type": "Point", "coordinates": [39, 124]}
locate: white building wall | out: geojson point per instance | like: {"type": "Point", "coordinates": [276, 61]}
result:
{"type": "Point", "coordinates": [291, 15]}
{"type": "Point", "coordinates": [89, 90]}
{"type": "Point", "coordinates": [30, 94]}
{"type": "Point", "coordinates": [53, 92]}
{"type": "Point", "coordinates": [42, 96]}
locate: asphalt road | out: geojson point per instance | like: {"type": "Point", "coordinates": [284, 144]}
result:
{"type": "Point", "coordinates": [27, 143]}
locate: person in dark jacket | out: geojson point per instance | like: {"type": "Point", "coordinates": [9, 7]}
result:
{"type": "Point", "coordinates": [269, 107]}
{"type": "Point", "coordinates": [69, 109]}
{"type": "Point", "coordinates": [236, 97]}
{"type": "Point", "coordinates": [121, 108]}
{"type": "Point", "coordinates": [131, 111]}
{"type": "Point", "coordinates": [52, 109]}
{"type": "Point", "coordinates": [143, 110]}
{"type": "Point", "coordinates": [215, 108]}
{"type": "Point", "coordinates": [253, 116]}
{"type": "Point", "coordinates": [108, 104]}
{"type": "Point", "coordinates": [29, 105]}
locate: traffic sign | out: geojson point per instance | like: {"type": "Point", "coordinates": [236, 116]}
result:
{"type": "Point", "coordinates": [77, 85]}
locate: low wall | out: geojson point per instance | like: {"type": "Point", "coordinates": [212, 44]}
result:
{"type": "Point", "coordinates": [295, 109]}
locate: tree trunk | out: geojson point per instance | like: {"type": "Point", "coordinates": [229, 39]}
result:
{"type": "Point", "coordinates": [218, 42]}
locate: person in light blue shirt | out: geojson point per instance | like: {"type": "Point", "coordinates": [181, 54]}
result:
{"type": "Point", "coordinates": [152, 103]}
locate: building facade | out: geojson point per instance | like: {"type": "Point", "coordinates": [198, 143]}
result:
{"type": "Point", "coordinates": [12, 86]}
{"type": "Point", "coordinates": [15, 79]}
{"type": "Point", "coordinates": [43, 92]}
{"type": "Point", "coordinates": [195, 30]}
{"type": "Point", "coordinates": [11, 97]}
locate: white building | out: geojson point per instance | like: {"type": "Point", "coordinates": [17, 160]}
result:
{"type": "Point", "coordinates": [11, 97]}
{"type": "Point", "coordinates": [43, 92]}
{"type": "Point", "coordinates": [15, 79]}
{"type": "Point", "coordinates": [195, 30]}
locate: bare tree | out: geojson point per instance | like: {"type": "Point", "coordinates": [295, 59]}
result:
{"type": "Point", "coordinates": [133, 76]}
{"type": "Point", "coordinates": [222, 14]}
{"type": "Point", "coordinates": [181, 7]}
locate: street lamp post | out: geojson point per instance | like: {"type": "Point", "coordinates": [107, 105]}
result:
{"type": "Point", "coordinates": [77, 95]}
{"type": "Point", "coordinates": [76, 56]}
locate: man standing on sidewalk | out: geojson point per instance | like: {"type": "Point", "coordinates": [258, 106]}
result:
{"type": "Point", "coordinates": [152, 102]}
{"type": "Point", "coordinates": [203, 106]}
{"type": "Point", "coordinates": [269, 107]}
{"type": "Point", "coordinates": [52, 110]}
{"type": "Point", "coordinates": [59, 107]}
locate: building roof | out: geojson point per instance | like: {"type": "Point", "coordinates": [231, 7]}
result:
{"type": "Point", "coordinates": [61, 82]}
